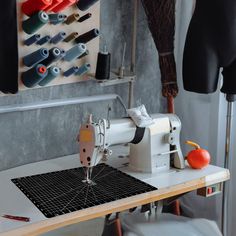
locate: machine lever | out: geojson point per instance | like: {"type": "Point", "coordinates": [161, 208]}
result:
{"type": "Point", "coordinates": [170, 152]}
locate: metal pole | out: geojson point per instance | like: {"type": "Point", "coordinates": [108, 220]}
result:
{"type": "Point", "coordinates": [60, 102]}
{"type": "Point", "coordinates": [133, 51]}
{"type": "Point", "coordinates": [227, 164]}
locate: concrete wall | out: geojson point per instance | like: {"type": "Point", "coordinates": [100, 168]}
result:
{"type": "Point", "coordinates": [44, 134]}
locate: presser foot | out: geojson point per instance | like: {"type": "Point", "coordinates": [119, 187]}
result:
{"type": "Point", "coordinates": [89, 182]}
{"type": "Point", "coordinates": [88, 177]}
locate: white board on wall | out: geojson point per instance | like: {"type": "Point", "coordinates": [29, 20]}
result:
{"type": "Point", "coordinates": [52, 30]}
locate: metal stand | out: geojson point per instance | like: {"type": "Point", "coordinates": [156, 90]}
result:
{"type": "Point", "coordinates": [227, 164]}
{"type": "Point", "coordinates": [133, 52]}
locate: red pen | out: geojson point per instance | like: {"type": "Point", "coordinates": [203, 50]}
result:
{"type": "Point", "coordinates": [18, 218]}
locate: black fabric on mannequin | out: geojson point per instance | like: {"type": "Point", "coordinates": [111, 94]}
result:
{"type": "Point", "coordinates": [8, 47]}
{"type": "Point", "coordinates": [211, 45]}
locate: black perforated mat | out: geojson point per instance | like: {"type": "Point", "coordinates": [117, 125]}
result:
{"type": "Point", "coordinates": [61, 192]}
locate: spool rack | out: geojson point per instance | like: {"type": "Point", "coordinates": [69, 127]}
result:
{"type": "Point", "coordinates": [52, 30]}
{"type": "Point", "coordinates": [129, 76]}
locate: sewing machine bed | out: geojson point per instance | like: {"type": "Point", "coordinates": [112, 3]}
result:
{"type": "Point", "coordinates": [62, 192]}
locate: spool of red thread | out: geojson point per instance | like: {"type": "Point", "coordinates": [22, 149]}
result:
{"type": "Point", "coordinates": [32, 6]}
{"type": "Point", "coordinates": [54, 4]}
{"type": "Point", "coordinates": [63, 5]}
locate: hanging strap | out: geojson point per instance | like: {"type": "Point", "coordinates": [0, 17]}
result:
{"type": "Point", "coordinates": [139, 133]}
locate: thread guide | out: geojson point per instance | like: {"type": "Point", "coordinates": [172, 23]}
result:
{"type": "Point", "coordinates": [52, 30]}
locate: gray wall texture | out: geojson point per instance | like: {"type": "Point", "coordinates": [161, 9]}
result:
{"type": "Point", "coordinates": [49, 133]}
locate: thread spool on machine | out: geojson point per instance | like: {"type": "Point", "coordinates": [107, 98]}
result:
{"type": "Point", "coordinates": [47, 35]}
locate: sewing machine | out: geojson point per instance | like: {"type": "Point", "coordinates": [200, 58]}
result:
{"type": "Point", "coordinates": [151, 148]}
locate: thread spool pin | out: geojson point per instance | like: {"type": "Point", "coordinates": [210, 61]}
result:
{"type": "Point", "coordinates": [42, 70]}
{"type": "Point", "coordinates": [85, 17]}
{"type": "Point", "coordinates": [58, 37]}
{"type": "Point", "coordinates": [84, 54]}
{"type": "Point", "coordinates": [44, 40]}
{"type": "Point", "coordinates": [33, 39]}
{"type": "Point", "coordinates": [83, 69]}
{"type": "Point", "coordinates": [71, 37]}
{"type": "Point", "coordinates": [88, 36]}
{"type": "Point", "coordinates": [72, 18]}
{"type": "Point", "coordinates": [71, 71]}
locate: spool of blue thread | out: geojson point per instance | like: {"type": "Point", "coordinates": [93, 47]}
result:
{"type": "Point", "coordinates": [58, 37]}
{"type": "Point", "coordinates": [53, 72]}
{"type": "Point", "coordinates": [54, 55]}
{"type": "Point", "coordinates": [57, 18]}
{"type": "Point", "coordinates": [44, 40]}
{"type": "Point", "coordinates": [71, 71]}
{"type": "Point", "coordinates": [84, 54]}
{"type": "Point", "coordinates": [33, 39]}
{"type": "Point", "coordinates": [75, 52]}
{"type": "Point", "coordinates": [34, 75]}
{"type": "Point", "coordinates": [83, 69]}
{"type": "Point", "coordinates": [35, 57]}
{"type": "Point", "coordinates": [63, 53]}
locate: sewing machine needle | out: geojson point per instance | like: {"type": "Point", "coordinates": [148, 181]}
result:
{"type": "Point", "coordinates": [88, 177]}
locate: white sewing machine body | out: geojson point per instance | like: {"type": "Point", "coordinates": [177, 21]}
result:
{"type": "Point", "coordinates": [150, 147]}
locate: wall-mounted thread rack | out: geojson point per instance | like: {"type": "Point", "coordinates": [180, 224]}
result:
{"type": "Point", "coordinates": [90, 22]}
{"type": "Point", "coordinates": [53, 30]}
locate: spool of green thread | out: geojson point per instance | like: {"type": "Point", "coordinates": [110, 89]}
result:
{"type": "Point", "coordinates": [53, 72]}
{"type": "Point", "coordinates": [35, 22]}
